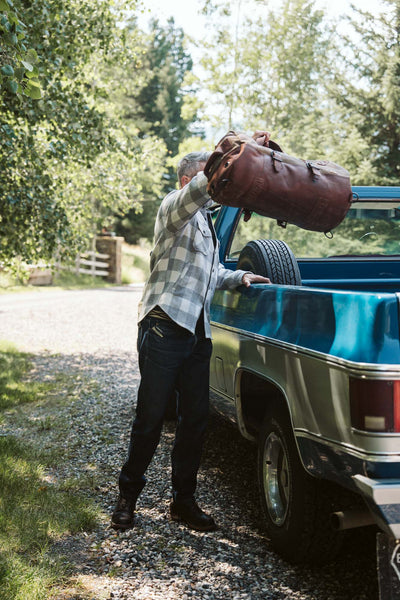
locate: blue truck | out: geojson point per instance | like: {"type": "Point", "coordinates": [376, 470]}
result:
{"type": "Point", "coordinates": [309, 369]}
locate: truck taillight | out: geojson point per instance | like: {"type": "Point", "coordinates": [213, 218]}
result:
{"type": "Point", "coordinates": [375, 405]}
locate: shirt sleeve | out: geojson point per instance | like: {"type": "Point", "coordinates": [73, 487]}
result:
{"type": "Point", "coordinates": [228, 279]}
{"type": "Point", "coordinates": [179, 206]}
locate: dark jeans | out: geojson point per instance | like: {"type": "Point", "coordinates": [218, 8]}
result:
{"type": "Point", "coordinates": [170, 358]}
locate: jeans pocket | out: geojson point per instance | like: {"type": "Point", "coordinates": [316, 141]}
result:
{"type": "Point", "coordinates": [141, 338]}
{"type": "Point", "coordinates": [167, 328]}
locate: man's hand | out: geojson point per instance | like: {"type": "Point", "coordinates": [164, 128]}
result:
{"type": "Point", "coordinates": [261, 137]}
{"type": "Point", "coordinates": [249, 278]}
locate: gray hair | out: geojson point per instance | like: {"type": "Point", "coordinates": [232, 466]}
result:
{"type": "Point", "coordinates": [192, 163]}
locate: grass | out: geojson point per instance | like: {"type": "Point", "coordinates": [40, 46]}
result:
{"type": "Point", "coordinates": [135, 263]}
{"type": "Point", "coordinates": [35, 510]}
{"type": "Point", "coordinates": [14, 391]}
{"type": "Point", "coordinates": [69, 281]}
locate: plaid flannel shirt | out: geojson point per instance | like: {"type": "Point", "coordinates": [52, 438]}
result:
{"type": "Point", "coordinates": [185, 267]}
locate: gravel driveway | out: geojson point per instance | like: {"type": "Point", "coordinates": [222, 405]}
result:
{"type": "Point", "coordinates": [94, 332]}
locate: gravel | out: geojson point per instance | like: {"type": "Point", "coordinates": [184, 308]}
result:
{"type": "Point", "coordinates": [89, 338]}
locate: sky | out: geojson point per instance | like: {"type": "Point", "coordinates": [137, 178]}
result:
{"type": "Point", "coordinates": [185, 12]}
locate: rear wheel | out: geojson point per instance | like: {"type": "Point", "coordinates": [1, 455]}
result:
{"type": "Point", "coordinates": [270, 258]}
{"type": "Point", "coordinates": [296, 506]}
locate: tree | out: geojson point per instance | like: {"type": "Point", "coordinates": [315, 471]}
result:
{"type": "Point", "coordinates": [65, 161]}
{"type": "Point", "coordinates": [282, 69]}
{"type": "Point", "coordinates": [370, 92]}
{"type": "Point", "coordinates": [18, 71]}
{"type": "Point", "coordinates": [157, 105]}
{"type": "Point", "coordinates": [266, 71]}
{"type": "Point", "coordinates": [154, 103]}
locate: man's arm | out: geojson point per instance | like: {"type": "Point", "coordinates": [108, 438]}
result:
{"type": "Point", "coordinates": [228, 279]}
{"type": "Point", "coordinates": [180, 205]}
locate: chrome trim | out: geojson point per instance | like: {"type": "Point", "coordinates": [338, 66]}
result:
{"type": "Point", "coordinates": [384, 491]}
{"type": "Point", "coordinates": [372, 457]}
{"type": "Point", "coordinates": [375, 434]}
{"type": "Point", "coordinates": [383, 498]}
{"type": "Point", "coordinates": [388, 370]}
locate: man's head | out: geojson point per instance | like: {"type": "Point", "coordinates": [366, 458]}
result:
{"type": "Point", "coordinates": [190, 165]}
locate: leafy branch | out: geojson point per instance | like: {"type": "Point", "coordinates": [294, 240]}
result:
{"type": "Point", "coordinates": [18, 71]}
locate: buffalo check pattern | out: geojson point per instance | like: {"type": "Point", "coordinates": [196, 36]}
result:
{"type": "Point", "coordinates": [185, 267]}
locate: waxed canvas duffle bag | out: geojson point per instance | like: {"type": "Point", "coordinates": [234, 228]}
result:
{"type": "Point", "coordinates": [313, 195]}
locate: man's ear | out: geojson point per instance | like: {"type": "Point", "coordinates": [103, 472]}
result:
{"type": "Point", "coordinates": [184, 180]}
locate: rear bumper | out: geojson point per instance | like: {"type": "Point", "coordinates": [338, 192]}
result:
{"type": "Point", "coordinates": [383, 499]}
{"type": "Point", "coordinates": [374, 477]}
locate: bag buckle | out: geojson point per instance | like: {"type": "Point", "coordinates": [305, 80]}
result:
{"type": "Point", "coordinates": [277, 162]}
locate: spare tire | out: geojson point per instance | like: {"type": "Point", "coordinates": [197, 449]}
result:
{"type": "Point", "coordinates": [270, 258]}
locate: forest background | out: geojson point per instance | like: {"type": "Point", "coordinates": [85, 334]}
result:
{"type": "Point", "coordinates": [96, 110]}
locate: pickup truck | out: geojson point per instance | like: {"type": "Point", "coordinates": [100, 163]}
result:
{"type": "Point", "coordinates": [309, 368]}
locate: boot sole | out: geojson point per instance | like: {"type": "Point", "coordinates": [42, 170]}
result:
{"type": "Point", "coordinates": [179, 519]}
{"type": "Point", "coordinates": [119, 526]}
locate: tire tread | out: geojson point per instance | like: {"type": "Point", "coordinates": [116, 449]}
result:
{"type": "Point", "coordinates": [271, 258]}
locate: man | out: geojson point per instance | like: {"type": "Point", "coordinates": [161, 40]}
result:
{"type": "Point", "coordinates": [174, 344]}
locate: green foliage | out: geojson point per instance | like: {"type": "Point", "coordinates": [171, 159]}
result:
{"type": "Point", "coordinates": [155, 100]}
{"type": "Point", "coordinates": [135, 225]}
{"type": "Point", "coordinates": [156, 105]}
{"type": "Point", "coordinates": [67, 165]}
{"type": "Point", "coordinates": [370, 92]}
{"type": "Point", "coordinates": [112, 184]}
{"type": "Point", "coordinates": [265, 71]}
{"type": "Point", "coordinates": [362, 233]}
{"type": "Point", "coordinates": [321, 93]}
{"type": "Point", "coordinates": [94, 112]}
{"type": "Point", "coordinates": [67, 280]}
{"type": "Point", "coordinates": [18, 63]}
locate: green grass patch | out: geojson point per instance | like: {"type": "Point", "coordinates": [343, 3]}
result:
{"type": "Point", "coordinates": [36, 509]}
{"type": "Point", "coordinates": [13, 389]}
{"type": "Point", "coordinates": [67, 280]}
{"type": "Point", "coordinates": [135, 264]}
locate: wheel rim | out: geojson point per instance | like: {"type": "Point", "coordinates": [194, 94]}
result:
{"type": "Point", "coordinates": [276, 479]}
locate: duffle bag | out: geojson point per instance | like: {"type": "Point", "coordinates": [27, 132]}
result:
{"type": "Point", "coordinates": [312, 194]}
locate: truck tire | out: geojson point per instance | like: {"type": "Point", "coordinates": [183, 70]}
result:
{"type": "Point", "coordinates": [270, 258]}
{"type": "Point", "coordinates": [296, 506]}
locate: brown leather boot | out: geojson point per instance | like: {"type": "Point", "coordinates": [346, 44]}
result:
{"type": "Point", "coordinates": [191, 514]}
{"type": "Point", "coordinates": [123, 516]}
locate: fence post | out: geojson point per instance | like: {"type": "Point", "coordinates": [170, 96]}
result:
{"type": "Point", "coordinates": [77, 264]}
{"type": "Point", "coordinates": [113, 247]}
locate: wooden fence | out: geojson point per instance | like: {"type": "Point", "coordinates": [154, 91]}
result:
{"type": "Point", "coordinates": [104, 261]}
{"type": "Point", "coordinates": [92, 263]}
